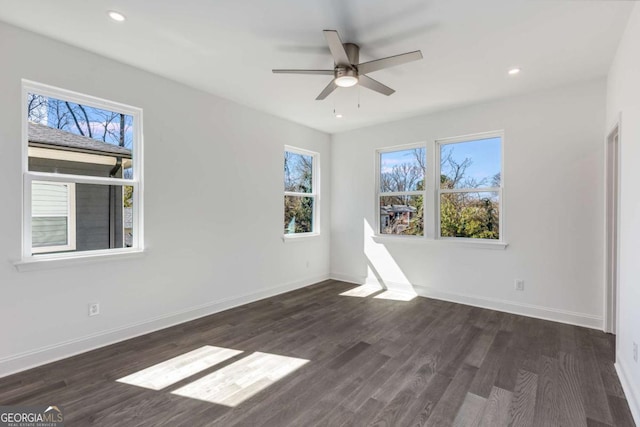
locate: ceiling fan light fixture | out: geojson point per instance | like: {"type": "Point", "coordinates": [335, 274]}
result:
{"type": "Point", "coordinates": [346, 81]}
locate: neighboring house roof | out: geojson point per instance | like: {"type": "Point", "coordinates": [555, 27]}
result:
{"type": "Point", "coordinates": [42, 135]}
{"type": "Point", "coordinates": [390, 209]}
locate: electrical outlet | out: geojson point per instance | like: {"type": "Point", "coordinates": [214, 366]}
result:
{"type": "Point", "coordinates": [635, 352]}
{"type": "Point", "coordinates": [519, 285]}
{"type": "Point", "coordinates": [94, 309]}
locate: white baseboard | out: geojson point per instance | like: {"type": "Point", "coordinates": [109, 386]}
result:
{"type": "Point", "coordinates": [539, 312]}
{"type": "Point", "coordinates": [41, 356]}
{"type": "Point", "coordinates": [530, 310]}
{"type": "Point", "coordinates": [357, 280]}
{"type": "Point", "coordinates": [630, 393]}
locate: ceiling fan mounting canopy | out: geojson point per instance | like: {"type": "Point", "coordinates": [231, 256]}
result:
{"type": "Point", "coordinates": [348, 71]}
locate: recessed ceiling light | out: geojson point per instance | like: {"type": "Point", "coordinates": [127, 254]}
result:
{"type": "Point", "coordinates": [116, 16]}
{"type": "Point", "coordinates": [514, 71]}
{"type": "Point", "coordinates": [338, 116]}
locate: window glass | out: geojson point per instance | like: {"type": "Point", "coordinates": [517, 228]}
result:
{"type": "Point", "coordinates": [470, 189]}
{"type": "Point", "coordinates": [470, 215]}
{"type": "Point", "coordinates": [298, 214]}
{"type": "Point", "coordinates": [402, 170]}
{"type": "Point", "coordinates": [471, 164]}
{"type": "Point", "coordinates": [298, 172]}
{"type": "Point", "coordinates": [401, 174]}
{"type": "Point", "coordinates": [300, 207]}
{"type": "Point", "coordinates": [402, 215]}
{"type": "Point", "coordinates": [50, 214]}
{"type": "Point", "coordinates": [81, 173]}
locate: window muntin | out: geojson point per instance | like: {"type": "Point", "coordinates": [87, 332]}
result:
{"type": "Point", "coordinates": [401, 191]}
{"type": "Point", "coordinates": [92, 147]}
{"type": "Point", "coordinates": [300, 192]}
{"type": "Point", "coordinates": [470, 187]}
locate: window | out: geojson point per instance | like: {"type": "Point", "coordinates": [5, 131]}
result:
{"type": "Point", "coordinates": [401, 191]}
{"type": "Point", "coordinates": [300, 192]}
{"type": "Point", "coordinates": [82, 174]}
{"type": "Point", "coordinates": [469, 194]}
{"type": "Point", "coordinates": [465, 202]}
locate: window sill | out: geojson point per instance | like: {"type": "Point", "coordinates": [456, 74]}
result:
{"type": "Point", "coordinates": [290, 238]}
{"type": "Point", "coordinates": [44, 263]}
{"type": "Point", "coordinates": [449, 242]}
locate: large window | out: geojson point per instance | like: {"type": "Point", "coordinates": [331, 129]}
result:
{"type": "Point", "coordinates": [401, 191]}
{"type": "Point", "coordinates": [458, 198]}
{"type": "Point", "coordinates": [469, 192]}
{"type": "Point", "coordinates": [82, 174]}
{"type": "Point", "coordinates": [300, 192]}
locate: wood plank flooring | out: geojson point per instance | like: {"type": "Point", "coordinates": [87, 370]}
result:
{"type": "Point", "coordinates": [313, 357]}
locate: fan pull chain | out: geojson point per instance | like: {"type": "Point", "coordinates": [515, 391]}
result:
{"type": "Point", "coordinates": [358, 97]}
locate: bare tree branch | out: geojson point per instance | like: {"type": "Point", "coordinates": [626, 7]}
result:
{"type": "Point", "coordinates": [75, 119]}
{"type": "Point", "coordinates": [86, 120]}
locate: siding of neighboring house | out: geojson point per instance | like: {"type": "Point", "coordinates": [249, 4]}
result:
{"type": "Point", "coordinates": [93, 222]}
{"type": "Point", "coordinates": [128, 227]}
{"type": "Point", "coordinates": [49, 210]}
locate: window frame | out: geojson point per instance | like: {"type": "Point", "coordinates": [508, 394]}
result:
{"type": "Point", "coordinates": [431, 202]}
{"type": "Point", "coordinates": [438, 144]}
{"type": "Point", "coordinates": [71, 221]}
{"type": "Point", "coordinates": [315, 191]}
{"type": "Point", "coordinates": [379, 193]}
{"type": "Point", "coordinates": [28, 254]}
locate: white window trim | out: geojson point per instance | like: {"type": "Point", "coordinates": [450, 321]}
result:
{"type": "Point", "coordinates": [71, 220]}
{"type": "Point", "coordinates": [379, 193]}
{"type": "Point", "coordinates": [29, 256]}
{"type": "Point", "coordinates": [315, 193]}
{"type": "Point", "coordinates": [438, 191]}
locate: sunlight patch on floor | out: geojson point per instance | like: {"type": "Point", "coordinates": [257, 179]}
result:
{"type": "Point", "coordinates": [164, 374]}
{"type": "Point", "coordinates": [362, 291]}
{"type": "Point", "coordinates": [396, 296]}
{"type": "Point", "coordinates": [237, 382]}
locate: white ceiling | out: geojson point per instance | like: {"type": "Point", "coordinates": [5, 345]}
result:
{"type": "Point", "coordinates": [228, 47]}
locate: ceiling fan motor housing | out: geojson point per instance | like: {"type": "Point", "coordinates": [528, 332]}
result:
{"type": "Point", "coordinates": [342, 72]}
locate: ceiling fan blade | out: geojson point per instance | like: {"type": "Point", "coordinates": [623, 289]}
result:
{"type": "Point", "coordinates": [391, 61]}
{"type": "Point", "coordinates": [322, 72]}
{"type": "Point", "coordinates": [336, 47]}
{"type": "Point", "coordinates": [374, 85]}
{"type": "Point", "coordinates": [327, 90]}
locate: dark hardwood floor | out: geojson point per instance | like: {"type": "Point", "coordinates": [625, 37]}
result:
{"type": "Point", "coordinates": [347, 361]}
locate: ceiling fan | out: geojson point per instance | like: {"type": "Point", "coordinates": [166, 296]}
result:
{"type": "Point", "coordinates": [348, 72]}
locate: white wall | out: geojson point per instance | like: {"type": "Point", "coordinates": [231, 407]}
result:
{"type": "Point", "coordinates": [213, 202]}
{"type": "Point", "coordinates": [553, 192]}
{"type": "Point", "coordinates": [623, 99]}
